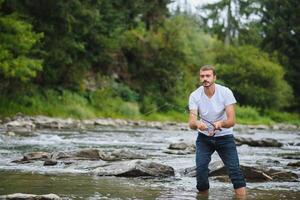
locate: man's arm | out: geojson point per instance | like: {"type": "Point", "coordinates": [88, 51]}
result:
{"type": "Point", "coordinates": [194, 123]}
{"type": "Point", "coordinates": [230, 121]}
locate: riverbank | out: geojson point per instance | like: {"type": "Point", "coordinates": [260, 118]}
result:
{"type": "Point", "coordinates": [21, 123]}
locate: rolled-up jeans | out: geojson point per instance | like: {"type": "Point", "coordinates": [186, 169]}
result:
{"type": "Point", "coordinates": [226, 148]}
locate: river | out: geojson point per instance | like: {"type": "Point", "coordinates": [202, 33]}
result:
{"type": "Point", "coordinates": [76, 182]}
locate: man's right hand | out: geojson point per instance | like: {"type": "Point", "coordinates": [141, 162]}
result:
{"type": "Point", "coordinates": [201, 126]}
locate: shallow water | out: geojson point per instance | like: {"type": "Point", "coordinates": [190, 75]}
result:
{"type": "Point", "coordinates": [75, 181]}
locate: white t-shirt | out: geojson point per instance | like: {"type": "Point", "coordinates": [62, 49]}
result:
{"type": "Point", "coordinates": [212, 109]}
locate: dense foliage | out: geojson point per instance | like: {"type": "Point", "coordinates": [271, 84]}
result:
{"type": "Point", "coordinates": [119, 58]}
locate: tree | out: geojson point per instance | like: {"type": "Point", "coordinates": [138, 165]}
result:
{"type": "Point", "coordinates": [228, 18]}
{"type": "Point", "coordinates": [255, 79]}
{"type": "Point", "coordinates": [17, 46]}
{"type": "Point", "coordinates": [281, 27]}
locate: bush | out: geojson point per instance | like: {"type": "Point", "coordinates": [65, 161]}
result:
{"type": "Point", "coordinates": [254, 78]}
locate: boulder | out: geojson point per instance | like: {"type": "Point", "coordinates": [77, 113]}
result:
{"type": "Point", "coordinates": [294, 164]}
{"type": "Point", "coordinates": [134, 168]}
{"type": "Point", "coordinates": [180, 148]}
{"type": "Point", "coordinates": [55, 123]}
{"type": "Point", "coordinates": [251, 174]}
{"type": "Point", "coordinates": [21, 196]}
{"type": "Point", "coordinates": [50, 162]}
{"type": "Point", "coordinates": [124, 154]}
{"type": "Point", "coordinates": [19, 126]}
{"type": "Point", "coordinates": [268, 142]}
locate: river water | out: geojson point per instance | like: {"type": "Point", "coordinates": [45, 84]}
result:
{"type": "Point", "coordinates": [76, 182]}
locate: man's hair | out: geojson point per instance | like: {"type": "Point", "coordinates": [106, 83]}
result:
{"type": "Point", "coordinates": [208, 67]}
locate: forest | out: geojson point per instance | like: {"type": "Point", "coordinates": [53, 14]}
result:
{"type": "Point", "coordinates": [138, 59]}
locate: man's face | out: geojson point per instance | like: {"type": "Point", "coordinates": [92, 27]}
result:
{"type": "Point", "coordinates": [207, 78]}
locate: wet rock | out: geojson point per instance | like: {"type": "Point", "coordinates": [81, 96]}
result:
{"type": "Point", "coordinates": [282, 126]}
{"type": "Point", "coordinates": [258, 127]}
{"type": "Point", "coordinates": [39, 155]}
{"type": "Point", "coordinates": [180, 148]}
{"type": "Point", "coordinates": [268, 162]}
{"type": "Point", "coordinates": [293, 156]}
{"type": "Point", "coordinates": [21, 196]}
{"type": "Point", "coordinates": [251, 174]}
{"type": "Point", "coordinates": [19, 126]}
{"type": "Point", "coordinates": [91, 154]}
{"type": "Point", "coordinates": [191, 171]}
{"type": "Point", "coordinates": [294, 164]}
{"type": "Point", "coordinates": [29, 157]}
{"type": "Point", "coordinates": [135, 168]}
{"type": "Point", "coordinates": [50, 163]}
{"type": "Point", "coordinates": [55, 123]}
{"type": "Point", "coordinates": [121, 154]}
{"type": "Point", "coordinates": [268, 142]}
{"type": "Point", "coordinates": [283, 176]}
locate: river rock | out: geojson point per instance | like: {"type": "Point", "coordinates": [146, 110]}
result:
{"type": "Point", "coordinates": [258, 127]}
{"type": "Point", "coordinates": [180, 148]}
{"type": "Point", "coordinates": [50, 162]}
{"type": "Point", "coordinates": [135, 168]}
{"type": "Point", "coordinates": [21, 196]}
{"type": "Point", "coordinates": [268, 142]}
{"type": "Point", "coordinates": [55, 123]}
{"type": "Point", "coordinates": [283, 126]}
{"type": "Point", "coordinates": [123, 154]}
{"type": "Point", "coordinates": [251, 174]}
{"type": "Point", "coordinates": [19, 126]}
{"type": "Point", "coordinates": [294, 164]}
{"type": "Point", "coordinates": [191, 171]}
{"type": "Point", "coordinates": [90, 154]}
{"type": "Point", "coordinates": [29, 157]}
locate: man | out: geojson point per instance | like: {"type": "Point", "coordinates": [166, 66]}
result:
{"type": "Point", "coordinates": [215, 106]}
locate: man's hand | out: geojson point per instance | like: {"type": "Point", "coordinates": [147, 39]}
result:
{"type": "Point", "coordinates": [202, 126]}
{"type": "Point", "coordinates": [218, 125]}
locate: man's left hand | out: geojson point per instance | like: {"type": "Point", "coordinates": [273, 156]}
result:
{"type": "Point", "coordinates": [218, 125]}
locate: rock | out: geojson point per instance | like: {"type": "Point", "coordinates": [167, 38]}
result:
{"type": "Point", "coordinates": [135, 168]}
{"type": "Point", "coordinates": [191, 171]}
{"type": "Point", "coordinates": [91, 154]}
{"type": "Point", "coordinates": [29, 157]}
{"type": "Point", "coordinates": [294, 164]}
{"type": "Point", "coordinates": [268, 162]}
{"type": "Point", "coordinates": [50, 163]}
{"type": "Point", "coordinates": [121, 154]}
{"type": "Point", "coordinates": [179, 152]}
{"type": "Point", "coordinates": [294, 156]}
{"type": "Point", "coordinates": [19, 126]}
{"type": "Point", "coordinates": [282, 126]}
{"type": "Point", "coordinates": [55, 123]}
{"type": "Point", "coordinates": [180, 148]}
{"type": "Point", "coordinates": [40, 155]}
{"type": "Point", "coordinates": [283, 176]}
{"type": "Point", "coordinates": [251, 174]}
{"type": "Point", "coordinates": [258, 127]}
{"type": "Point", "coordinates": [258, 143]}
{"type": "Point", "coordinates": [21, 196]}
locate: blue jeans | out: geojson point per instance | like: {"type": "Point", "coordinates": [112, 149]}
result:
{"type": "Point", "coordinates": [226, 148]}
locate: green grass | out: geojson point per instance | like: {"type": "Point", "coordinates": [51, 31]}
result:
{"type": "Point", "coordinates": [105, 103]}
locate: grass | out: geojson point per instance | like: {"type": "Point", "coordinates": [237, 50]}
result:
{"type": "Point", "coordinates": [104, 103]}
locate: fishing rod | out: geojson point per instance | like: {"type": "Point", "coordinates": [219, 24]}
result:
{"type": "Point", "coordinates": [185, 110]}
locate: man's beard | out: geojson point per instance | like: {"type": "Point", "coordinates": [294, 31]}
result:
{"type": "Point", "coordinates": [204, 83]}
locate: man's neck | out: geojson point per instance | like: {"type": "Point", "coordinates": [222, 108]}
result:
{"type": "Point", "coordinates": [209, 91]}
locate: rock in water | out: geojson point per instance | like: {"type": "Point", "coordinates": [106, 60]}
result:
{"type": "Point", "coordinates": [21, 196]}
{"type": "Point", "coordinates": [135, 168]}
